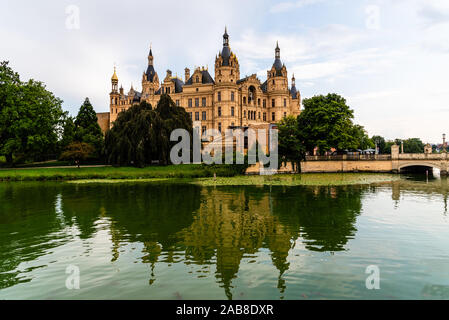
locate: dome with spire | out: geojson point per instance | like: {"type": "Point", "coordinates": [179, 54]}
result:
{"type": "Point", "coordinates": [114, 76]}
{"type": "Point", "coordinates": [277, 61]}
{"type": "Point", "coordinates": [226, 52]}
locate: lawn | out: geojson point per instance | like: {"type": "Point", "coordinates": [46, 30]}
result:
{"type": "Point", "coordinates": [173, 171]}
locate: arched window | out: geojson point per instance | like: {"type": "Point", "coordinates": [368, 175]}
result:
{"type": "Point", "coordinates": [244, 100]}
{"type": "Point", "coordinates": [197, 79]}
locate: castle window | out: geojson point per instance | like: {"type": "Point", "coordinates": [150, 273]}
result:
{"type": "Point", "coordinates": [285, 102]}
{"type": "Point", "coordinates": [203, 129]}
{"type": "Point", "coordinates": [219, 127]}
{"type": "Point", "coordinates": [244, 114]}
{"type": "Point", "coordinates": [203, 102]}
{"type": "Point", "coordinates": [197, 79]}
{"type": "Point", "coordinates": [264, 103]}
{"type": "Point", "coordinates": [258, 102]}
{"type": "Point", "coordinates": [285, 114]}
{"type": "Point", "coordinates": [190, 115]}
{"type": "Point", "coordinates": [190, 103]}
{"type": "Point", "coordinates": [197, 116]}
{"type": "Point", "coordinates": [168, 90]}
{"type": "Point", "coordinates": [231, 69]}
{"type": "Point", "coordinates": [232, 95]}
{"type": "Point", "coordinates": [177, 103]}
{"type": "Point", "coordinates": [264, 116]}
{"type": "Point", "coordinates": [273, 116]}
{"type": "Point", "coordinates": [197, 102]}
{"type": "Point", "coordinates": [203, 115]}
{"type": "Point", "coordinates": [273, 82]}
{"type": "Point", "coordinates": [244, 100]}
{"type": "Point", "coordinates": [232, 111]}
{"type": "Point", "coordinates": [259, 115]}
{"type": "Point", "coordinates": [219, 96]}
{"type": "Point", "coordinates": [273, 103]}
{"type": "Point", "coordinates": [219, 111]}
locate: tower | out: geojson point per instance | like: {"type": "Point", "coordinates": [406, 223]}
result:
{"type": "Point", "coordinates": [114, 95]}
{"type": "Point", "coordinates": [277, 75]}
{"type": "Point", "coordinates": [150, 79]}
{"type": "Point", "coordinates": [227, 68]}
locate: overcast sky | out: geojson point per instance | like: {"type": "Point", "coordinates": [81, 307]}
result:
{"type": "Point", "coordinates": [388, 58]}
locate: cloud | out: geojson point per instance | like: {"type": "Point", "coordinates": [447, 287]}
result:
{"type": "Point", "coordinates": [286, 6]}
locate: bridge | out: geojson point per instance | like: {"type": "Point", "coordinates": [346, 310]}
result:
{"type": "Point", "coordinates": [395, 162]}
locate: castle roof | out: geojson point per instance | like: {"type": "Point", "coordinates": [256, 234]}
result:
{"type": "Point", "coordinates": [206, 78]}
{"type": "Point", "coordinates": [150, 73]}
{"type": "Point", "coordinates": [178, 84]}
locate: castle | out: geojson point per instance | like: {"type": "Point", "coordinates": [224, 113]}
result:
{"type": "Point", "coordinates": [220, 102]}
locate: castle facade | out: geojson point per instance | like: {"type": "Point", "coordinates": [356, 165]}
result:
{"type": "Point", "coordinates": [218, 102]}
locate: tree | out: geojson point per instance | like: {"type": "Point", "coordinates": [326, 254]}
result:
{"type": "Point", "coordinates": [381, 143]}
{"type": "Point", "coordinates": [141, 135]}
{"type": "Point", "coordinates": [68, 132]}
{"type": "Point", "coordinates": [77, 152]}
{"type": "Point", "coordinates": [87, 129]}
{"type": "Point", "coordinates": [326, 122]}
{"type": "Point", "coordinates": [29, 117]}
{"type": "Point", "coordinates": [362, 140]}
{"type": "Point", "coordinates": [291, 149]}
{"type": "Point", "coordinates": [413, 145]}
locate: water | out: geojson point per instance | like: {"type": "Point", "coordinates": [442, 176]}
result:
{"type": "Point", "coordinates": [181, 241]}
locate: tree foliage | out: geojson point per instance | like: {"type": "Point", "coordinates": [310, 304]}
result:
{"type": "Point", "coordinates": [29, 117]}
{"type": "Point", "coordinates": [141, 135]}
{"type": "Point", "coordinates": [77, 152]}
{"type": "Point", "coordinates": [291, 148]}
{"type": "Point", "coordinates": [326, 122]}
{"type": "Point", "coordinates": [87, 129]}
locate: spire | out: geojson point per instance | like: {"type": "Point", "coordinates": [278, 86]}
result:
{"type": "Point", "coordinates": [226, 52]}
{"type": "Point", "coordinates": [114, 76]}
{"type": "Point", "coordinates": [293, 80]}
{"type": "Point", "coordinates": [114, 81]}
{"type": "Point", "coordinates": [150, 57]}
{"type": "Point", "coordinates": [226, 38]}
{"type": "Point", "coordinates": [277, 51]}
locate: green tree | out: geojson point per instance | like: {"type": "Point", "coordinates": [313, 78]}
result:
{"type": "Point", "coordinates": [141, 135]}
{"type": "Point", "coordinates": [363, 141]}
{"type": "Point", "coordinates": [68, 132]}
{"type": "Point", "coordinates": [291, 149]}
{"type": "Point", "coordinates": [326, 122]}
{"type": "Point", "coordinates": [87, 129]}
{"type": "Point", "coordinates": [77, 152]}
{"type": "Point", "coordinates": [381, 143]}
{"type": "Point", "coordinates": [29, 117]}
{"type": "Point", "coordinates": [413, 145]}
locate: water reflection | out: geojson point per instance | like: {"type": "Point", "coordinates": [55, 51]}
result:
{"type": "Point", "coordinates": [187, 224]}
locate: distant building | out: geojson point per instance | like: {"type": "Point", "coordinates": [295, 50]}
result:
{"type": "Point", "coordinates": [221, 102]}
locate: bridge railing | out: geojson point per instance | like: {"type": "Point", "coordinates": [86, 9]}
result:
{"type": "Point", "coordinates": [350, 157]}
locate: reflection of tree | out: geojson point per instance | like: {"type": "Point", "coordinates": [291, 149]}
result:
{"type": "Point", "coordinates": [324, 216]}
{"type": "Point", "coordinates": [152, 215]}
{"type": "Point", "coordinates": [233, 222]}
{"type": "Point", "coordinates": [28, 227]}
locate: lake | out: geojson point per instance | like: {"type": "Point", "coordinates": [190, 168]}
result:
{"type": "Point", "coordinates": [184, 241]}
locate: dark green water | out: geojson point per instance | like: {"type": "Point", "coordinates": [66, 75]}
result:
{"type": "Point", "coordinates": [179, 241]}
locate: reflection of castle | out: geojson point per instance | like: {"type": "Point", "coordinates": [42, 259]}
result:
{"type": "Point", "coordinates": [219, 102]}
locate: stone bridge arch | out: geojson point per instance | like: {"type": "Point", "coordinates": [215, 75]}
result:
{"type": "Point", "coordinates": [428, 164]}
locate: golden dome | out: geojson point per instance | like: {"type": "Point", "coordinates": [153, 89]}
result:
{"type": "Point", "coordinates": [114, 76]}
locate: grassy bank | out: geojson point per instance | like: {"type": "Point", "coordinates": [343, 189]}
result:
{"type": "Point", "coordinates": [308, 179]}
{"type": "Point", "coordinates": [180, 171]}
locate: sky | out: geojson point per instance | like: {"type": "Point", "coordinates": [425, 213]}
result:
{"type": "Point", "coordinates": [388, 58]}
